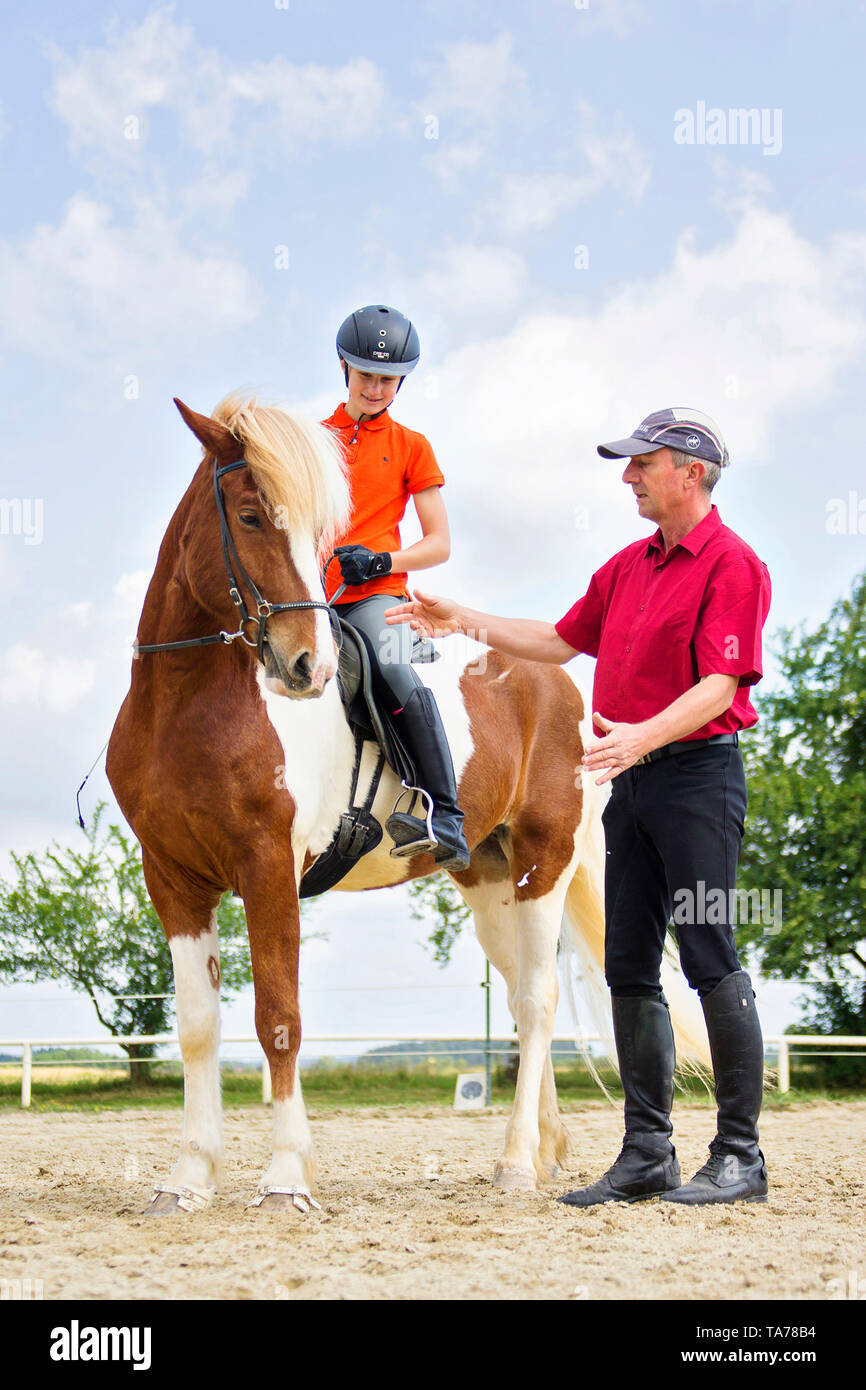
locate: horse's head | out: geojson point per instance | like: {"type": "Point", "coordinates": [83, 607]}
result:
{"type": "Point", "coordinates": [278, 512]}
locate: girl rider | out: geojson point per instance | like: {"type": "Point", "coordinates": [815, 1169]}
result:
{"type": "Point", "coordinates": [387, 464]}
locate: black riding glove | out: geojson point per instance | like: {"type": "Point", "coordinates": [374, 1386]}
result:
{"type": "Point", "coordinates": [358, 564]}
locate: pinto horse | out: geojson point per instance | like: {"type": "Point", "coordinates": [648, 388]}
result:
{"type": "Point", "coordinates": [231, 759]}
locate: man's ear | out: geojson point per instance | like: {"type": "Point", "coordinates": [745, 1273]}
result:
{"type": "Point", "coordinates": [216, 439]}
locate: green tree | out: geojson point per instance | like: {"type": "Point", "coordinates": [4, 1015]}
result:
{"type": "Point", "coordinates": [806, 827]}
{"type": "Point", "coordinates": [84, 918]}
{"type": "Point", "coordinates": [436, 897]}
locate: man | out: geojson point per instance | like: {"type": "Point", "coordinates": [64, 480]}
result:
{"type": "Point", "coordinates": [675, 624]}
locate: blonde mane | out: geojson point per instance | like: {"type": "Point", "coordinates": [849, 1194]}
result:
{"type": "Point", "coordinates": [297, 465]}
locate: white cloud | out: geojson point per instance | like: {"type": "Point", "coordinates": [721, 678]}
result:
{"type": "Point", "coordinates": [42, 677]}
{"type": "Point", "coordinates": [315, 102]}
{"type": "Point", "coordinates": [472, 89]}
{"type": "Point", "coordinates": [475, 80]}
{"type": "Point", "coordinates": [750, 329]}
{"type": "Point", "coordinates": [621, 16]}
{"type": "Point", "coordinates": [614, 159]}
{"type": "Point", "coordinates": [90, 284]}
{"type": "Point", "coordinates": [474, 279]}
{"type": "Point", "coordinates": [30, 677]}
{"type": "Point", "coordinates": [129, 592]}
{"type": "Point", "coordinates": [82, 613]}
{"type": "Point", "coordinates": [217, 188]}
{"type": "Point", "coordinates": [106, 94]}
{"type": "Point", "coordinates": [454, 159]}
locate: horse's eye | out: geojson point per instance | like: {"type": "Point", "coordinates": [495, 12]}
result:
{"type": "Point", "coordinates": [251, 519]}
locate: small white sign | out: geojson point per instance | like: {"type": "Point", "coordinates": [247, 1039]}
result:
{"type": "Point", "coordinates": [469, 1091]}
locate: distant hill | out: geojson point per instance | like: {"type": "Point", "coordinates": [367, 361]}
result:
{"type": "Point", "coordinates": [462, 1052]}
{"type": "Point", "coordinates": [64, 1054]}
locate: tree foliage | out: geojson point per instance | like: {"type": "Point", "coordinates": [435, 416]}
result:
{"type": "Point", "coordinates": [437, 897]}
{"type": "Point", "coordinates": [805, 833]}
{"type": "Point", "coordinates": [84, 917]}
{"type": "Point", "coordinates": [806, 826]}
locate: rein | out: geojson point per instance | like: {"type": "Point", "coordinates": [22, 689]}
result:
{"type": "Point", "coordinates": [264, 609]}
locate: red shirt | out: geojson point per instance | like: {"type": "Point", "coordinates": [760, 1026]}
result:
{"type": "Point", "coordinates": [658, 622]}
{"type": "Point", "coordinates": [386, 464]}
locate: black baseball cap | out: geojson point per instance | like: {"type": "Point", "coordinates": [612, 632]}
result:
{"type": "Point", "coordinates": [689, 431]}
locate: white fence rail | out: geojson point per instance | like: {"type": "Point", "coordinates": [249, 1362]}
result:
{"type": "Point", "coordinates": [783, 1045]}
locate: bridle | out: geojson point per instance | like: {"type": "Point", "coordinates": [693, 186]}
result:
{"type": "Point", "coordinates": [234, 567]}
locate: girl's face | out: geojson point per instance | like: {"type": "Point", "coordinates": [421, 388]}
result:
{"type": "Point", "coordinates": [369, 394]}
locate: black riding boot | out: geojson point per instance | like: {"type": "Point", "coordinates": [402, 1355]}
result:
{"type": "Point", "coordinates": [420, 727]}
{"type": "Point", "coordinates": [735, 1171]}
{"type": "Point", "coordinates": [647, 1164]}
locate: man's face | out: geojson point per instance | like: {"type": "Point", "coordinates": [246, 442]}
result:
{"type": "Point", "coordinates": [660, 488]}
{"type": "Point", "coordinates": [368, 393]}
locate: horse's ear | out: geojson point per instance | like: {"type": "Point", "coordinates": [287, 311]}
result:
{"type": "Point", "coordinates": [215, 437]}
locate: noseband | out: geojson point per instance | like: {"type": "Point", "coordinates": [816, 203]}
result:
{"type": "Point", "coordinates": [264, 609]}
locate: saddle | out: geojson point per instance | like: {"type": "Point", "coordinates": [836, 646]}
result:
{"type": "Point", "coordinates": [370, 720]}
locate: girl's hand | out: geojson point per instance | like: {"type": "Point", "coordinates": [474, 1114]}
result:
{"type": "Point", "coordinates": [435, 617]}
{"type": "Point", "coordinates": [358, 563]}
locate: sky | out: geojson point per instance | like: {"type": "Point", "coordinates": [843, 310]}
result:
{"type": "Point", "coordinates": [561, 196]}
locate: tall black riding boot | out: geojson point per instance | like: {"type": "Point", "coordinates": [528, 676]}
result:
{"type": "Point", "coordinates": [647, 1164]}
{"type": "Point", "coordinates": [735, 1170]}
{"type": "Point", "coordinates": [441, 833]}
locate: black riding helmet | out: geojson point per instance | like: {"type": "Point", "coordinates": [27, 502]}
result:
{"type": "Point", "coordinates": [378, 339]}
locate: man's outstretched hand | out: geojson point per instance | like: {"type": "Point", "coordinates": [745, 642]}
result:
{"type": "Point", "coordinates": [435, 617]}
{"type": "Point", "coordinates": [621, 747]}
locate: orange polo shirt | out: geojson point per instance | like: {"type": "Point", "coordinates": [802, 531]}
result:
{"type": "Point", "coordinates": [386, 464]}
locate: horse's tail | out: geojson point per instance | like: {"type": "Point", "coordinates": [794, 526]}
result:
{"type": "Point", "coordinates": [582, 952]}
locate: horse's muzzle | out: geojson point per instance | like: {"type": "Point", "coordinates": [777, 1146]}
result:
{"type": "Point", "coordinates": [299, 681]}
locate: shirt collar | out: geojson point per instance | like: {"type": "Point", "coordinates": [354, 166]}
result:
{"type": "Point", "coordinates": [343, 420]}
{"type": "Point", "coordinates": [694, 540]}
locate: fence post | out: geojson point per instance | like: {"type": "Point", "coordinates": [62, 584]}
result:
{"type": "Point", "coordinates": [784, 1067]}
{"type": "Point", "coordinates": [267, 1092]}
{"type": "Point", "coordinates": [26, 1073]}
{"type": "Point", "coordinates": [487, 1080]}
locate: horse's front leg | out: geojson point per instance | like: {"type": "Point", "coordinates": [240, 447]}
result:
{"type": "Point", "coordinates": [190, 925]}
{"type": "Point", "coordinates": [273, 920]}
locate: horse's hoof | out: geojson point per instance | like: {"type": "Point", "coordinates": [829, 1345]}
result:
{"type": "Point", "coordinates": [278, 1203]}
{"type": "Point", "coordinates": [508, 1178]}
{"type": "Point", "coordinates": [291, 1202]}
{"type": "Point", "coordinates": [171, 1200]}
{"type": "Point", "coordinates": [163, 1204]}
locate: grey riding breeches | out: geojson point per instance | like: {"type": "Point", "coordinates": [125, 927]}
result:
{"type": "Point", "coordinates": [392, 645]}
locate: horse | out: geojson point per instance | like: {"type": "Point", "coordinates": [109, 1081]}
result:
{"type": "Point", "coordinates": [231, 759]}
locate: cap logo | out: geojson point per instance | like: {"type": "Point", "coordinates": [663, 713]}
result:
{"type": "Point", "coordinates": [382, 356]}
{"type": "Point", "coordinates": [693, 441]}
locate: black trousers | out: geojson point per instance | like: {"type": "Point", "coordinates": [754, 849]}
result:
{"type": "Point", "coordinates": [673, 830]}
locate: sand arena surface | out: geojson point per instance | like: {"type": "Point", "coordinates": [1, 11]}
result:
{"type": "Point", "coordinates": [409, 1213]}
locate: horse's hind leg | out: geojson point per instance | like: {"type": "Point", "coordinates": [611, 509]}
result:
{"type": "Point", "coordinates": [536, 996]}
{"type": "Point", "coordinates": [539, 1148]}
{"type": "Point", "coordinates": [194, 945]}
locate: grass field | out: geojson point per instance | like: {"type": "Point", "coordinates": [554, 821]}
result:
{"type": "Point", "coordinates": [338, 1086]}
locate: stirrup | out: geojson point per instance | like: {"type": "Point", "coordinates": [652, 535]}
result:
{"type": "Point", "coordinates": [404, 822]}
